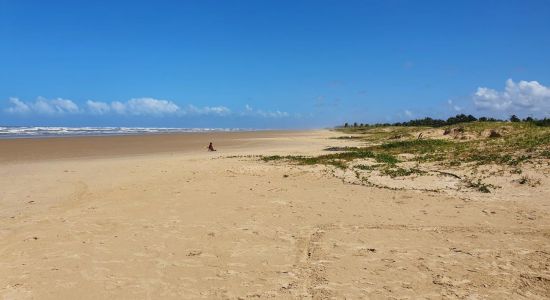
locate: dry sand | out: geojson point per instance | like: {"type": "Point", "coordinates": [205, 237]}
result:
{"type": "Point", "coordinates": [158, 217]}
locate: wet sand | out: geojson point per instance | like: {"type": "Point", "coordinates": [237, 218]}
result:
{"type": "Point", "coordinates": [27, 149]}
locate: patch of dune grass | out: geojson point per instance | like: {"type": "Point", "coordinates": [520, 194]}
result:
{"type": "Point", "coordinates": [336, 159]}
{"type": "Point", "coordinates": [497, 158]}
{"type": "Point", "coordinates": [386, 158]}
{"type": "Point", "coordinates": [309, 160]}
{"type": "Point", "coordinates": [366, 167]}
{"type": "Point", "coordinates": [400, 172]}
{"type": "Point", "coordinates": [480, 186]}
{"type": "Point", "coordinates": [419, 146]}
{"type": "Point", "coordinates": [380, 134]}
{"type": "Point", "coordinates": [519, 143]}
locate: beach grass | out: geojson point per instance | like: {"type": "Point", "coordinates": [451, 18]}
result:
{"type": "Point", "coordinates": [470, 145]}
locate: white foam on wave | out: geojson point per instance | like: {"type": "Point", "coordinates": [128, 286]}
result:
{"type": "Point", "coordinates": [42, 131]}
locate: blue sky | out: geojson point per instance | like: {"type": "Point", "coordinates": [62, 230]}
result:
{"type": "Point", "coordinates": [270, 64]}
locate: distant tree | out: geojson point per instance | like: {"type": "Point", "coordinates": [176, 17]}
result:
{"type": "Point", "coordinates": [514, 118]}
{"type": "Point", "coordinates": [542, 122]}
{"type": "Point", "coordinates": [461, 118]}
{"type": "Point", "coordinates": [346, 125]}
{"type": "Point", "coordinates": [424, 122]}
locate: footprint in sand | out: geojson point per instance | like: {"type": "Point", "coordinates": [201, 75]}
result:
{"type": "Point", "coordinates": [195, 252]}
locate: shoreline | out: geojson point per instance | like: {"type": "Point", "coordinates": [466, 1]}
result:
{"type": "Point", "coordinates": [96, 146]}
{"type": "Point", "coordinates": [143, 132]}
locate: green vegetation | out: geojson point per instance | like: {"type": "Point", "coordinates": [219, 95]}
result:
{"type": "Point", "coordinates": [458, 119]}
{"type": "Point", "coordinates": [528, 181]}
{"type": "Point", "coordinates": [468, 145]}
{"type": "Point", "coordinates": [518, 143]}
{"type": "Point", "coordinates": [400, 172]}
{"type": "Point", "coordinates": [418, 146]}
{"type": "Point", "coordinates": [336, 159]}
{"type": "Point", "coordinates": [366, 167]}
{"type": "Point", "coordinates": [386, 158]}
{"type": "Point", "coordinates": [480, 186]}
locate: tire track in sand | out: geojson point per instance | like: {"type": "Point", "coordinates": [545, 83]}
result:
{"type": "Point", "coordinates": [311, 273]}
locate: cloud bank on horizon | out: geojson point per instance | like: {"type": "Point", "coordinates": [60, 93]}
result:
{"type": "Point", "coordinates": [149, 107]}
{"type": "Point", "coordinates": [523, 98]}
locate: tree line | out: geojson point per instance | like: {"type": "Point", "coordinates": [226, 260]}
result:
{"type": "Point", "coordinates": [461, 118]}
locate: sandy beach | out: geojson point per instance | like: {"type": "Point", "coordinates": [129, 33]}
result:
{"type": "Point", "coordinates": [159, 217]}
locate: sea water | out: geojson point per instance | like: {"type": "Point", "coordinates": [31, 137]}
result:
{"type": "Point", "coordinates": [23, 131]}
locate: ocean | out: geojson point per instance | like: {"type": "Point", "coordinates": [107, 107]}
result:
{"type": "Point", "coordinates": [30, 132]}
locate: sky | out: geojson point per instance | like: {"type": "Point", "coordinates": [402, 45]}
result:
{"type": "Point", "coordinates": [270, 64]}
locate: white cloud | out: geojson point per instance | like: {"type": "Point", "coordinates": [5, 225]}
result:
{"type": "Point", "coordinates": [149, 106]}
{"type": "Point", "coordinates": [132, 107]}
{"type": "Point", "coordinates": [58, 106]}
{"type": "Point", "coordinates": [408, 113]}
{"type": "Point", "coordinates": [97, 107]}
{"type": "Point", "coordinates": [135, 106]}
{"type": "Point", "coordinates": [249, 111]}
{"type": "Point", "coordinates": [118, 107]}
{"type": "Point", "coordinates": [63, 105]}
{"type": "Point", "coordinates": [523, 96]}
{"type": "Point", "coordinates": [272, 114]}
{"type": "Point", "coordinates": [43, 106]}
{"type": "Point", "coordinates": [454, 106]}
{"type": "Point", "coordinates": [18, 107]}
{"type": "Point", "coordinates": [208, 110]}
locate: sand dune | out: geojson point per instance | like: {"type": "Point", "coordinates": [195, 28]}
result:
{"type": "Point", "coordinates": [158, 217]}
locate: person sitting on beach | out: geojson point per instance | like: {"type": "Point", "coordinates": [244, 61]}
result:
{"type": "Point", "coordinates": [210, 147]}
